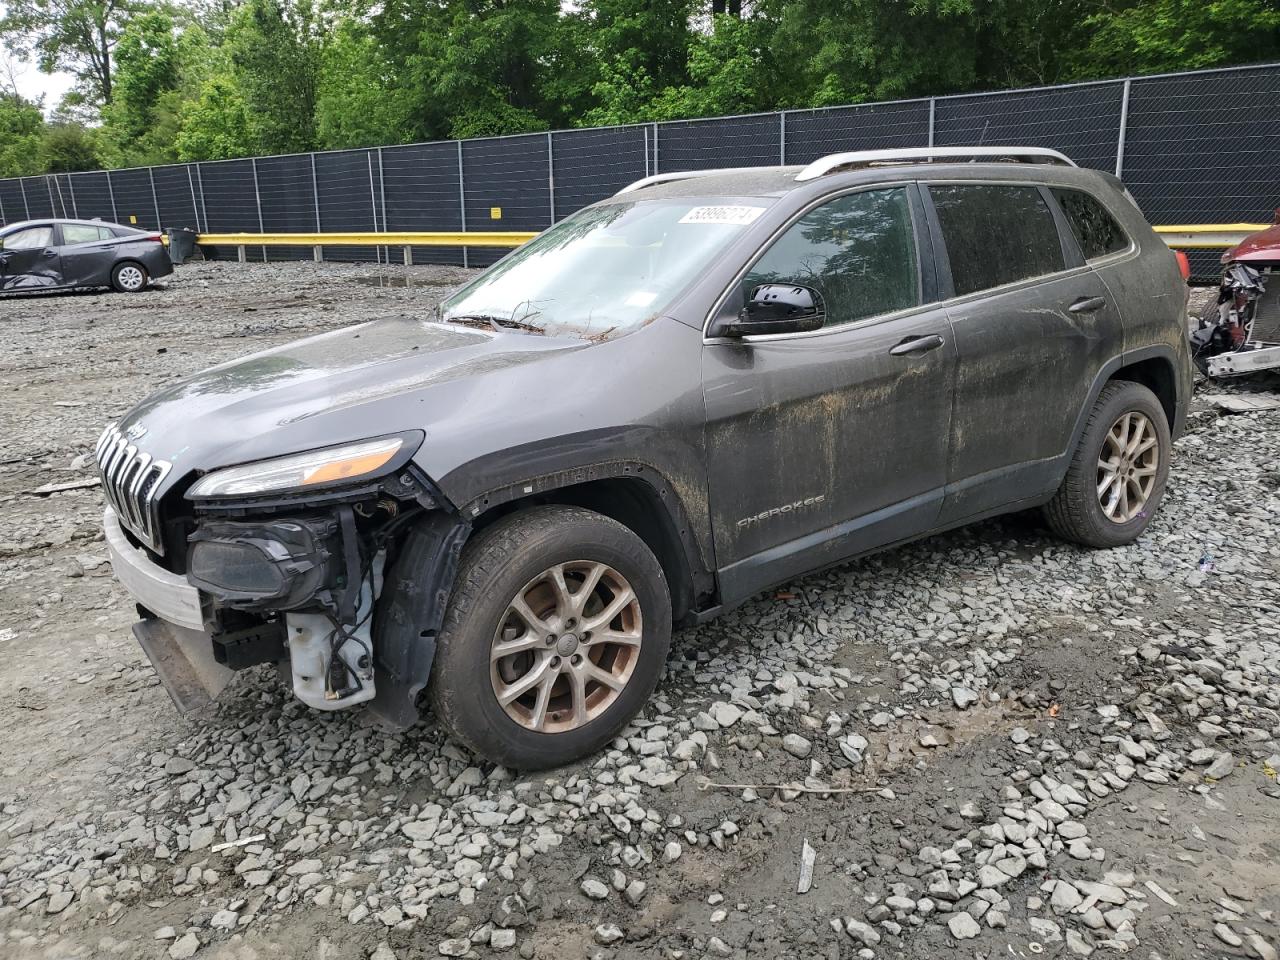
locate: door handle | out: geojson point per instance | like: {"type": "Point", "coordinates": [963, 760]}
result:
{"type": "Point", "coordinates": [51, 253]}
{"type": "Point", "coordinates": [916, 345]}
{"type": "Point", "coordinates": [1088, 304]}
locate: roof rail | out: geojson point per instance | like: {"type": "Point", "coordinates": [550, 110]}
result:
{"type": "Point", "coordinates": [682, 175]}
{"type": "Point", "coordinates": [866, 158]}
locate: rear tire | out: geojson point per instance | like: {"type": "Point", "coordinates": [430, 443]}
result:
{"type": "Point", "coordinates": [539, 583]}
{"type": "Point", "coordinates": [1117, 476]}
{"type": "Point", "coordinates": [129, 277]}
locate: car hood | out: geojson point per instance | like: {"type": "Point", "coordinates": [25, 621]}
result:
{"type": "Point", "coordinates": [1261, 246]}
{"type": "Point", "coordinates": [378, 378]}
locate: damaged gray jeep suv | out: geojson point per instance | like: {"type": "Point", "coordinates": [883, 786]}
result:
{"type": "Point", "coordinates": [708, 384]}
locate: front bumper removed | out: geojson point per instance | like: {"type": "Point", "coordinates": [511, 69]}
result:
{"type": "Point", "coordinates": [176, 638]}
{"type": "Point", "coordinates": [197, 638]}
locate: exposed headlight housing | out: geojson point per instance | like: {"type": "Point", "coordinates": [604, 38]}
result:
{"type": "Point", "coordinates": [302, 471]}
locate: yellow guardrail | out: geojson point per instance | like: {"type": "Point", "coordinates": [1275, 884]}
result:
{"type": "Point", "coordinates": [1207, 236]}
{"type": "Point", "coordinates": [1199, 236]}
{"type": "Point", "coordinates": [407, 240]}
{"type": "Point", "coordinates": [432, 239]}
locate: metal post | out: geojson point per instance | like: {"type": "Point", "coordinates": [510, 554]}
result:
{"type": "Point", "coordinates": [115, 214]}
{"type": "Point", "coordinates": [204, 207]}
{"type": "Point", "coordinates": [318, 252]}
{"type": "Point", "coordinates": [462, 202]}
{"type": "Point", "coordinates": [3, 218]}
{"type": "Point", "coordinates": [382, 195]}
{"type": "Point", "coordinates": [373, 205]}
{"type": "Point", "coordinates": [551, 178]}
{"type": "Point", "coordinates": [782, 137]}
{"type": "Point", "coordinates": [1124, 128]}
{"type": "Point", "coordinates": [155, 201]}
{"type": "Point", "coordinates": [195, 207]}
{"type": "Point", "coordinates": [645, 131]}
{"type": "Point", "coordinates": [655, 148]}
{"type": "Point", "coordinates": [933, 107]}
{"type": "Point", "coordinates": [26, 207]}
{"type": "Point", "coordinates": [53, 181]}
{"type": "Point", "coordinates": [52, 204]}
{"type": "Point", "coordinates": [71, 189]}
{"type": "Point", "coordinates": [257, 199]}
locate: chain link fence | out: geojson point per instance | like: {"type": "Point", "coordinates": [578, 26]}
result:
{"type": "Point", "coordinates": [1201, 147]}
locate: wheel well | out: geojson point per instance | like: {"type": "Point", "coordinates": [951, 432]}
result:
{"type": "Point", "coordinates": [1156, 374]}
{"type": "Point", "coordinates": [636, 505]}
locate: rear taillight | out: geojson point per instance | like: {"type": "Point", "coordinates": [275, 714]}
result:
{"type": "Point", "coordinates": [1184, 264]}
{"type": "Point", "coordinates": [157, 237]}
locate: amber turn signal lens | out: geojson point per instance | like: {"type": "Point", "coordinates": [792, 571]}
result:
{"type": "Point", "coordinates": [344, 469]}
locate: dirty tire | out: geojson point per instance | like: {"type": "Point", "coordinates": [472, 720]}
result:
{"type": "Point", "coordinates": [1075, 513]}
{"type": "Point", "coordinates": [495, 566]}
{"type": "Point", "coordinates": [129, 277]}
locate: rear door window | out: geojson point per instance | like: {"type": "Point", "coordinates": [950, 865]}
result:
{"type": "Point", "coordinates": [858, 251]}
{"type": "Point", "coordinates": [996, 234]}
{"type": "Point", "coordinates": [1095, 229]}
{"type": "Point", "coordinates": [80, 233]}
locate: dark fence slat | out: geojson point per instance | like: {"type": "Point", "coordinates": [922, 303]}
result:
{"type": "Point", "coordinates": [1083, 122]}
{"type": "Point", "coordinates": [876, 126]}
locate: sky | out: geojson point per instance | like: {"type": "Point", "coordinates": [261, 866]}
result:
{"type": "Point", "coordinates": [33, 84]}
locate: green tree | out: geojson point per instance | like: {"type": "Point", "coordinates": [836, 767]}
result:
{"type": "Point", "coordinates": [731, 70]}
{"type": "Point", "coordinates": [1158, 35]}
{"type": "Point", "coordinates": [481, 65]}
{"type": "Point", "coordinates": [274, 48]}
{"type": "Point", "coordinates": [140, 122]}
{"type": "Point", "coordinates": [215, 125]}
{"type": "Point", "coordinates": [21, 126]}
{"type": "Point", "coordinates": [68, 147]}
{"type": "Point", "coordinates": [73, 35]}
{"type": "Point", "coordinates": [358, 100]}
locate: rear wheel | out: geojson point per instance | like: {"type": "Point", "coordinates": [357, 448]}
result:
{"type": "Point", "coordinates": [1117, 477]}
{"type": "Point", "coordinates": [129, 277]}
{"type": "Point", "coordinates": [555, 636]}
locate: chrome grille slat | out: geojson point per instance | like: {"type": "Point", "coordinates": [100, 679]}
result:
{"type": "Point", "coordinates": [130, 481]}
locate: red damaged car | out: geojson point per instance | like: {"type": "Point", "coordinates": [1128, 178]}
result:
{"type": "Point", "coordinates": [1239, 332]}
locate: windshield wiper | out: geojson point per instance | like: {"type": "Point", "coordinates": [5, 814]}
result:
{"type": "Point", "coordinates": [484, 320]}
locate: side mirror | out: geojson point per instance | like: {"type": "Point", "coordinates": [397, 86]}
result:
{"type": "Point", "coordinates": [775, 308]}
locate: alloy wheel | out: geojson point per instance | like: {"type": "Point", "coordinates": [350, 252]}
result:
{"type": "Point", "coordinates": [1127, 466]}
{"type": "Point", "coordinates": [131, 277]}
{"type": "Point", "coordinates": [566, 646]}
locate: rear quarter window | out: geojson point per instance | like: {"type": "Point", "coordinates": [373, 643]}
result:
{"type": "Point", "coordinates": [1093, 226]}
{"type": "Point", "coordinates": [996, 234]}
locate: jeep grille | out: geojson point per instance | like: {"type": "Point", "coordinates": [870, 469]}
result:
{"type": "Point", "coordinates": [130, 480]}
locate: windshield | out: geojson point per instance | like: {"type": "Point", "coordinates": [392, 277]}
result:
{"type": "Point", "coordinates": [605, 270]}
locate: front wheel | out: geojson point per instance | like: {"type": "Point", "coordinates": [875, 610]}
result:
{"type": "Point", "coordinates": [1117, 477]}
{"type": "Point", "coordinates": [556, 634]}
{"type": "Point", "coordinates": [129, 277]}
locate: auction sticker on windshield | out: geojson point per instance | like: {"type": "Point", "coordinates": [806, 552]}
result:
{"type": "Point", "coordinates": [739, 215]}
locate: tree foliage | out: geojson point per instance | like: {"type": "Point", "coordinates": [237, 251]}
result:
{"type": "Point", "coordinates": [214, 79]}
{"type": "Point", "coordinates": [73, 35]}
{"type": "Point", "coordinates": [21, 126]}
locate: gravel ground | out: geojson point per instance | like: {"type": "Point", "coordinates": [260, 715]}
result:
{"type": "Point", "coordinates": [988, 743]}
